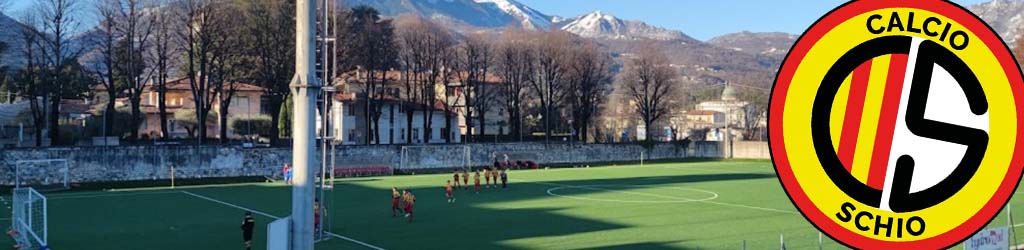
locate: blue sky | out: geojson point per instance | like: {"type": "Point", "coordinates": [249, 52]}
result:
{"type": "Point", "coordinates": [704, 19]}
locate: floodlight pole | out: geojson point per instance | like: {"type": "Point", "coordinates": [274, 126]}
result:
{"type": "Point", "coordinates": [305, 88]}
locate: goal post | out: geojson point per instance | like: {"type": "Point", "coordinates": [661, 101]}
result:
{"type": "Point", "coordinates": [42, 173]}
{"type": "Point", "coordinates": [435, 157]}
{"type": "Point", "coordinates": [29, 218]}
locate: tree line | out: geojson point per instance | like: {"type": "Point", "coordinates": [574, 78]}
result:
{"type": "Point", "coordinates": [542, 81]}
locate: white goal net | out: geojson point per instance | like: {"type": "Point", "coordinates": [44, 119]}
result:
{"type": "Point", "coordinates": [437, 156]}
{"type": "Point", "coordinates": [29, 219]}
{"type": "Point", "coordinates": [45, 174]}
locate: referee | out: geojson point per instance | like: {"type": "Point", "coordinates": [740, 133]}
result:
{"type": "Point", "coordinates": [247, 226]}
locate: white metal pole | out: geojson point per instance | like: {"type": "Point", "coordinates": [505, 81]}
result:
{"type": "Point", "coordinates": [304, 89]}
{"type": "Point", "coordinates": [820, 246]}
{"type": "Point", "coordinates": [46, 225]}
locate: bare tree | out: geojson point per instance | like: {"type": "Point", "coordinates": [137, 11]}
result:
{"type": "Point", "coordinates": [28, 80]}
{"type": "Point", "coordinates": [410, 36]}
{"type": "Point", "coordinates": [270, 29]}
{"type": "Point", "coordinates": [57, 22]}
{"type": "Point", "coordinates": [590, 78]}
{"type": "Point", "coordinates": [514, 64]}
{"type": "Point", "coordinates": [160, 59]}
{"type": "Point", "coordinates": [649, 81]}
{"type": "Point", "coordinates": [549, 75]}
{"type": "Point", "coordinates": [426, 57]}
{"type": "Point", "coordinates": [438, 44]}
{"type": "Point", "coordinates": [476, 56]}
{"type": "Point", "coordinates": [105, 42]}
{"type": "Point", "coordinates": [373, 52]}
{"type": "Point", "coordinates": [136, 29]}
{"type": "Point", "coordinates": [226, 62]}
{"type": "Point", "coordinates": [196, 39]}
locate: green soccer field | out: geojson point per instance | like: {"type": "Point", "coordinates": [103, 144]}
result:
{"type": "Point", "coordinates": [696, 205]}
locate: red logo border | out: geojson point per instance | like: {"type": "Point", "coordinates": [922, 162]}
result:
{"type": "Point", "coordinates": [777, 103]}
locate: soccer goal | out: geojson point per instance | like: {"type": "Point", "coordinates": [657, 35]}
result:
{"type": "Point", "coordinates": [44, 174]}
{"type": "Point", "coordinates": [435, 156]}
{"type": "Point", "coordinates": [28, 222]}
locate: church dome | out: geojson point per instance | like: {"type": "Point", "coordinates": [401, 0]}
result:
{"type": "Point", "coordinates": [728, 94]}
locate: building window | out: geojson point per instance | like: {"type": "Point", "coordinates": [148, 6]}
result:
{"type": "Point", "coordinates": [415, 135]}
{"type": "Point", "coordinates": [265, 105]}
{"type": "Point", "coordinates": [351, 110]}
{"type": "Point", "coordinates": [351, 135]}
{"type": "Point", "coordinates": [403, 134]}
{"type": "Point", "coordinates": [240, 101]}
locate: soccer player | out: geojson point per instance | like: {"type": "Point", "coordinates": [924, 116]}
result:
{"type": "Point", "coordinates": [476, 180]}
{"type": "Point", "coordinates": [248, 224]}
{"type": "Point", "coordinates": [487, 175]}
{"type": "Point", "coordinates": [316, 215]}
{"type": "Point", "coordinates": [395, 197]}
{"type": "Point", "coordinates": [410, 200]}
{"type": "Point", "coordinates": [465, 179]}
{"type": "Point", "coordinates": [494, 175]}
{"type": "Point", "coordinates": [455, 178]}
{"type": "Point", "coordinates": [448, 192]}
{"type": "Point", "coordinates": [504, 178]}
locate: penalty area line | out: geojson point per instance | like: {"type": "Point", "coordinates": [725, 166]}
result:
{"type": "Point", "coordinates": [628, 192]}
{"type": "Point", "coordinates": [276, 218]}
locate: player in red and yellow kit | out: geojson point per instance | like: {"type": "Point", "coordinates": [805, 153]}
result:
{"type": "Point", "coordinates": [487, 175]}
{"type": "Point", "coordinates": [476, 181]}
{"type": "Point", "coordinates": [395, 197]}
{"type": "Point", "coordinates": [409, 200]}
{"type": "Point", "coordinates": [465, 179]}
{"type": "Point", "coordinates": [455, 178]}
{"type": "Point", "coordinates": [448, 192]}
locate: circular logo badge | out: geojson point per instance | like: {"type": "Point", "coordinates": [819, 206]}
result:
{"type": "Point", "coordinates": [894, 124]}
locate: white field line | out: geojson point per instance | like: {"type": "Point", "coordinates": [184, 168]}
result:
{"type": "Point", "coordinates": [616, 167]}
{"type": "Point", "coordinates": [275, 217]}
{"type": "Point", "coordinates": [5, 218]}
{"type": "Point", "coordinates": [702, 168]}
{"type": "Point", "coordinates": [647, 194]}
{"type": "Point", "coordinates": [61, 197]}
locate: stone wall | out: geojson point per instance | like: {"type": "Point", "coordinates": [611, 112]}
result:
{"type": "Point", "coordinates": [751, 150]}
{"type": "Point", "coordinates": [125, 163]}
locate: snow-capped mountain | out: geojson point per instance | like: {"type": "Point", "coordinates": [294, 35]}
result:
{"type": "Point", "coordinates": [1005, 16]}
{"type": "Point", "coordinates": [764, 43]}
{"type": "Point", "coordinates": [605, 26]}
{"type": "Point", "coordinates": [528, 17]}
{"type": "Point", "coordinates": [466, 12]}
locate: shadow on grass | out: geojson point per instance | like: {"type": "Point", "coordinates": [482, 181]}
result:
{"type": "Point", "coordinates": [360, 209]}
{"type": "Point", "coordinates": [639, 246]}
{"type": "Point", "coordinates": [472, 223]}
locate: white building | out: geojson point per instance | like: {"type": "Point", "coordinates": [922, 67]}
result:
{"type": "Point", "coordinates": [734, 110]}
{"type": "Point", "coordinates": [349, 123]}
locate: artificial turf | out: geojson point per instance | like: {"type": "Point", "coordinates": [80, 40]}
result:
{"type": "Point", "coordinates": [692, 205]}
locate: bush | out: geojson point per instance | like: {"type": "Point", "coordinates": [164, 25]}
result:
{"type": "Point", "coordinates": [187, 119]}
{"type": "Point", "coordinates": [256, 125]}
{"type": "Point", "coordinates": [284, 121]}
{"type": "Point", "coordinates": [121, 127]}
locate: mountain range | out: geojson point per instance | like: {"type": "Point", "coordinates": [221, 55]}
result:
{"type": "Point", "coordinates": [741, 56]}
{"type": "Point", "coordinates": [1006, 17]}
